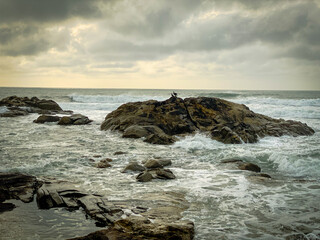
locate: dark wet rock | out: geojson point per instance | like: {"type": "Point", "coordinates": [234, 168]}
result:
{"type": "Point", "coordinates": [227, 122]}
{"type": "Point", "coordinates": [75, 119]}
{"type": "Point", "coordinates": [47, 118]}
{"type": "Point", "coordinates": [249, 167]}
{"type": "Point", "coordinates": [161, 139]}
{"type": "Point", "coordinates": [239, 164]}
{"type": "Point", "coordinates": [104, 163]}
{"type": "Point", "coordinates": [134, 167]}
{"type": "Point", "coordinates": [18, 106]}
{"type": "Point", "coordinates": [142, 229]}
{"type": "Point", "coordinates": [165, 174]}
{"type": "Point", "coordinates": [119, 153]}
{"type": "Point", "coordinates": [97, 156]}
{"type": "Point", "coordinates": [18, 186]}
{"type": "Point", "coordinates": [153, 163]}
{"type": "Point", "coordinates": [144, 177]}
{"type": "Point", "coordinates": [4, 207]}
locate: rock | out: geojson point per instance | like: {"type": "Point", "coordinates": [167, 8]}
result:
{"type": "Point", "coordinates": [65, 121]}
{"type": "Point", "coordinates": [165, 174]}
{"type": "Point", "coordinates": [97, 156]}
{"type": "Point", "coordinates": [75, 119]}
{"type": "Point", "coordinates": [104, 163]}
{"type": "Point", "coordinates": [263, 175]}
{"type": "Point", "coordinates": [144, 177]}
{"type": "Point", "coordinates": [59, 194]}
{"type": "Point", "coordinates": [133, 166]}
{"type": "Point", "coordinates": [14, 112]}
{"type": "Point", "coordinates": [231, 160]}
{"type": "Point", "coordinates": [152, 163]}
{"type": "Point", "coordinates": [162, 139]}
{"type": "Point", "coordinates": [18, 106]}
{"type": "Point", "coordinates": [164, 162]}
{"type": "Point", "coordinates": [141, 229]}
{"type": "Point", "coordinates": [159, 121]}
{"type": "Point", "coordinates": [249, 167]}
{"type": "Point", "coordinates": [119, 153]}
{"type": "Point", "coordinates": [46, 118]}
{"type": "Point", "coordinates": [18, 186]}
{"type": "Point", "coordinates": [4, 207]}
{"type": "Point", "coordinates": [135, 132]}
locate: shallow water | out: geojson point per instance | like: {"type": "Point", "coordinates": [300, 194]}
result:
{"type": "Point", "coordinates": [225, 203]}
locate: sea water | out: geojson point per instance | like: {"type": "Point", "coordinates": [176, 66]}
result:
{"type": "Point", "coordinates": [224, 203]}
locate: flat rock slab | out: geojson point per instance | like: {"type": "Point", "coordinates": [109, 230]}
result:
{"type": "Point", "coordinates": [158, 122]}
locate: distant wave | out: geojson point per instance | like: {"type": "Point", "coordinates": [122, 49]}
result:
{"type": "Point", "coordinates": [111, 98]}
{"type": "Point", "coordinates": [277, 101]}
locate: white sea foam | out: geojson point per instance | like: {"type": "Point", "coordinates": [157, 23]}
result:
{"type": "Point", "coordinates": [3, 109]}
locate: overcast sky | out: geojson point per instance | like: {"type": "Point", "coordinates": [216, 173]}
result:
{"type": "Point", "coordinates": [176, 44]}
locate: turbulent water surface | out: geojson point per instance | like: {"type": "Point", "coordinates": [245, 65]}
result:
{"type": "Point", "coordinates": [225, 203]}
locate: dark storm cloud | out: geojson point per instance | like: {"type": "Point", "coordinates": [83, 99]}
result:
{"type": "Point", "coordinates": [149, 29]}
{"type": "Point", "coordinates": [47, 10]}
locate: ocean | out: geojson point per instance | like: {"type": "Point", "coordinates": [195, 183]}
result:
{"type": "Point", "coordinates": [224, 203]}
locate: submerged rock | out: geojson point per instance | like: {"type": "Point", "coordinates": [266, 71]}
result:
{"type": "Point", "coordinates": [239, 164]}
{"type": "Point", "coordinates": [18, 106]}
{"type": "Point", "coordinates": [104, 163]}
{"type": "Point", "coordinates": [249, 167]}
{"type": "Point", "coordinates": [159, 121]}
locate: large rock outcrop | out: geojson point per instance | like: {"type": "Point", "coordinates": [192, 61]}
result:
{"type": "Point", "coordinates": [19, 106]}
{"type": "Point", "coordinates": [227, 122]}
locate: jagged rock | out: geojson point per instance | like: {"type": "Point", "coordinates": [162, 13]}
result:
{"type": "Point", "coordinates": [17, 186]}
{"type": "Point", "coordinates": [249, 167]}
{"type": "Point", "coordinates": [47, 118]}
{"type": "Point", "coordinates": [227, 122]}
{"type": "Point", "coordinates": [75, 119]}
{"type": "Point", "coordinates": [141, 229]}
{"type": "Point", "coordinates": [144, 177]}
{"type": "Point", "coordinates": [18, 106]}
{"type": "Point", "coordinates": [133, 166]}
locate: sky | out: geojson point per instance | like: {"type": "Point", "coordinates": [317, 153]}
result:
{"type": "Point", "coordinates": [161, 44]}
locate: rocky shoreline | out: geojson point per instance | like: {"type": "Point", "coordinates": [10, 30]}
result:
{"type": "Point", "coordinates": [152, 215]}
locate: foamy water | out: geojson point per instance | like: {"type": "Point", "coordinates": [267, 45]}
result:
{"type": "Point", "coordinates": [225, 203]}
